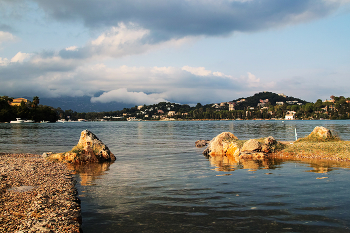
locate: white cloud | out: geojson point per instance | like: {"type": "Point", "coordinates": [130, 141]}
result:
{"type": "Point", "coordinates": [200, 71]}
{"type": "Point", "coordinates": [6, 36]}
{"type": "Point", "coordinates": [20, 57]}
{"type": "Point", "coordinates": [253, 81]}
{"type": "Point", "coordinates": [4, 61]}
{"type": "Point", "coordinates": [72, 48]}
{"type": "Point", "coordinates": [125, 96]}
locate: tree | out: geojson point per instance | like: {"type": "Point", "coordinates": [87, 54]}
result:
{"type": "Point", "coordinates": [35, 102]}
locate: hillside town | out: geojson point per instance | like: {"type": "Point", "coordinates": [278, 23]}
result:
{"type": "Point", "coordinates": [261, 106]}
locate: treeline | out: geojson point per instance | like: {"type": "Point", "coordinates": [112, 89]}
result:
{"type": "Point", "coordinates": [336, 108]}
{"type": "Point", "coordinates": [29, 111]}
{"type": "Point", "coordinates": [252, 107]}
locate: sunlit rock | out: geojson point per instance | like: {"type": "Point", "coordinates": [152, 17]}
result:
{"type": "Point", "coordinates": [251, 145]}
{"type": "Point", "coordinates": [89, 149]}
{"type": "Point", "coordinates": [217, 144]}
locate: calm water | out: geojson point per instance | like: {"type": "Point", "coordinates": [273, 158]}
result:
{"type": "Point", "coordinates": [162, 183]}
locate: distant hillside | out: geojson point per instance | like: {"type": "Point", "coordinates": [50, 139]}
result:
{"type": "Point", "coordinates": [82, 104]}
{"type": "Point", "coordinates": [254, 100]}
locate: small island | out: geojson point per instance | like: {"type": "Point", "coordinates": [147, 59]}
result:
{"type": "Point", "coordinates": [321, 143]}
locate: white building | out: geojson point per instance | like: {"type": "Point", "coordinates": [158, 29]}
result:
{"type": "Point", "coordinates": [290, 115]}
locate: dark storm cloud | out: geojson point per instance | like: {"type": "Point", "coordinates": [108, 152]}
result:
{"type": "Point", "coordinates": [179, 18]}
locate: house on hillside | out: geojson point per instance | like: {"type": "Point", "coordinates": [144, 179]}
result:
{"type": "Point", "coordinates": [18, 101]}
{"type": "Point", "coordinates": [231, 106]}
{"type": "Point", "coordinates": [290, 115]}
{"type": "Point", "coordinates": [171, 113]}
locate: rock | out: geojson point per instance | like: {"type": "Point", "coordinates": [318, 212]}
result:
{"type": "Point", "coordinates": [202, 143]}
{"type": "Point", "coordinates": [269, 145]}
{"type": "Point", "coordinates": [217, 144]}
{"type": "Point", "coordinates": [46, 154]}
{"type": "Point", "coordinates": [251, 145]}
{"type": "Point", "coordinates": [232, 149]}
{"type": "Point", "coordinates": [320, 133]}
{"type": "Point", "coordinates": [89, 149]}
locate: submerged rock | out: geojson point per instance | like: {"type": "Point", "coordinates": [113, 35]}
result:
{"type": "Point", "coordinates": [202, 143]}
{"type": "Point", "coordinates": [89, 149]}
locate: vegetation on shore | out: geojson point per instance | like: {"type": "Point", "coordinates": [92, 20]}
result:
{"type": "Point", "coordinates": [30, 110]}
{"type": "Point", "coordinates": [263, 105]}
{"type": "Point", "coordinates": [331, 150]}
{"type": "Point", "coordinates": [320, 146]}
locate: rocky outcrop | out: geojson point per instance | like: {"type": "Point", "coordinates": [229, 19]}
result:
{"type": "Point", "coordinates": [89, 149]}
{"type": "Point", "coordinates": [220, 144]}
{"type": "Point", "coordinates": [320, 134]}
{"type": "Point", "coordinates": [227, 144]}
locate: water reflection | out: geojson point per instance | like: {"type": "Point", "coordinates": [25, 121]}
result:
{"type": "Point", "coordinates": [88, 173]}
{"type": "Point", "coordinates": [232, 163]}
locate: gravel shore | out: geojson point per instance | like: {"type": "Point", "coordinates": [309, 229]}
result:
{"type": "Point", "coordinates": [37, 195]}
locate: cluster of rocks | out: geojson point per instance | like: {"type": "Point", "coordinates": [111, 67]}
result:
{"type": "Point", "coordinates": [227, 143]}
{"type": "Point", "coordinates": [37, 195]}
{"type": "Point", "coordinates": [89, 149]}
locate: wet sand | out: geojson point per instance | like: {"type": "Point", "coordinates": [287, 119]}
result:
{"type": "Point", "coordinates": [37, 195]}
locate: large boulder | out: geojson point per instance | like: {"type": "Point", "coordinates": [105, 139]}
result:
{"type": "Point", "coordinates": [220, 144]}
{"type": "Point", "coordinates": [89, 149]}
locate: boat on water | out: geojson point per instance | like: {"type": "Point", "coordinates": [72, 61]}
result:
{"type": "Point", "coordinates": [18, 120]}
{"type": "Point", "coordinates": [29, 121]}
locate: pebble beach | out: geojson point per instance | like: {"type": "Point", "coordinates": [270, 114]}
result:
{"type": "Point", "coordinates": [37, 195]}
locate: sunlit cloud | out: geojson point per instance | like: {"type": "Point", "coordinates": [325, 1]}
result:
{"type": "Point", "coordinates": [20, 57]}
{"type": "Point", "coordinates": [122, 95]}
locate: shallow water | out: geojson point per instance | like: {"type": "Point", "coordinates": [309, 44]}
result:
{"type": "Point", "coordinates": [161, 182]}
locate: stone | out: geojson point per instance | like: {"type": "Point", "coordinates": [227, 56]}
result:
{"type": "Point", "coordinates": [89, 149]}
{"type": "Point", "coordinates": [251, 145]}
{"type": "Point", "coordinates": [269, 145]}
{"type": "Point", "coordinates": [232, 149]}
{"type": "Point", "coordinates": [321, 132]}
{"type": "Point", "coordinates": [202, 143]}
{"type": "Point", "coordinates": [217, 144]}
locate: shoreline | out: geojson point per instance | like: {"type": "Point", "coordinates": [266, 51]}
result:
{"type": "Point", "coordinates": [37, 195]}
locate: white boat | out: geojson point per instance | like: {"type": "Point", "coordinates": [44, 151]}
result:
{"type": "Point", "coordinates": [29, 121]}
{"type": "Point", "coordinates": [18, 120]}
{"type": "Point", "coordinates": [44, 121]}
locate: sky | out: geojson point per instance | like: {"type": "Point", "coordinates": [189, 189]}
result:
{"type": "Point", "coordinates": [184, 51]}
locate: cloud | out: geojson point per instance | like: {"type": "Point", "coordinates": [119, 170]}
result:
{"type": "Point", "coordinates": [119, 41]}
{"type": "Point", "coordinates": [6, 36]}
{"type": "Point", "coordinates": [124, 96]}
{"type": "Point", "coordinates": [20, 57]}
{"type": "Point", "coordinates": [4, 61]}
{"type": "Point", "coordinates": [179, 18]}
{"type": "Point", "coordinates": [200, 71]}
{"type": "Point", "coordinates": [253, 81]}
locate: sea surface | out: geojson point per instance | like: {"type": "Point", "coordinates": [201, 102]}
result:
{"type": "Point", "coordinates": [161, 182]}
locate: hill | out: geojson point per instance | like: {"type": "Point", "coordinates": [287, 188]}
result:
{"type": "Point", "coordinates": [261, 97]}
